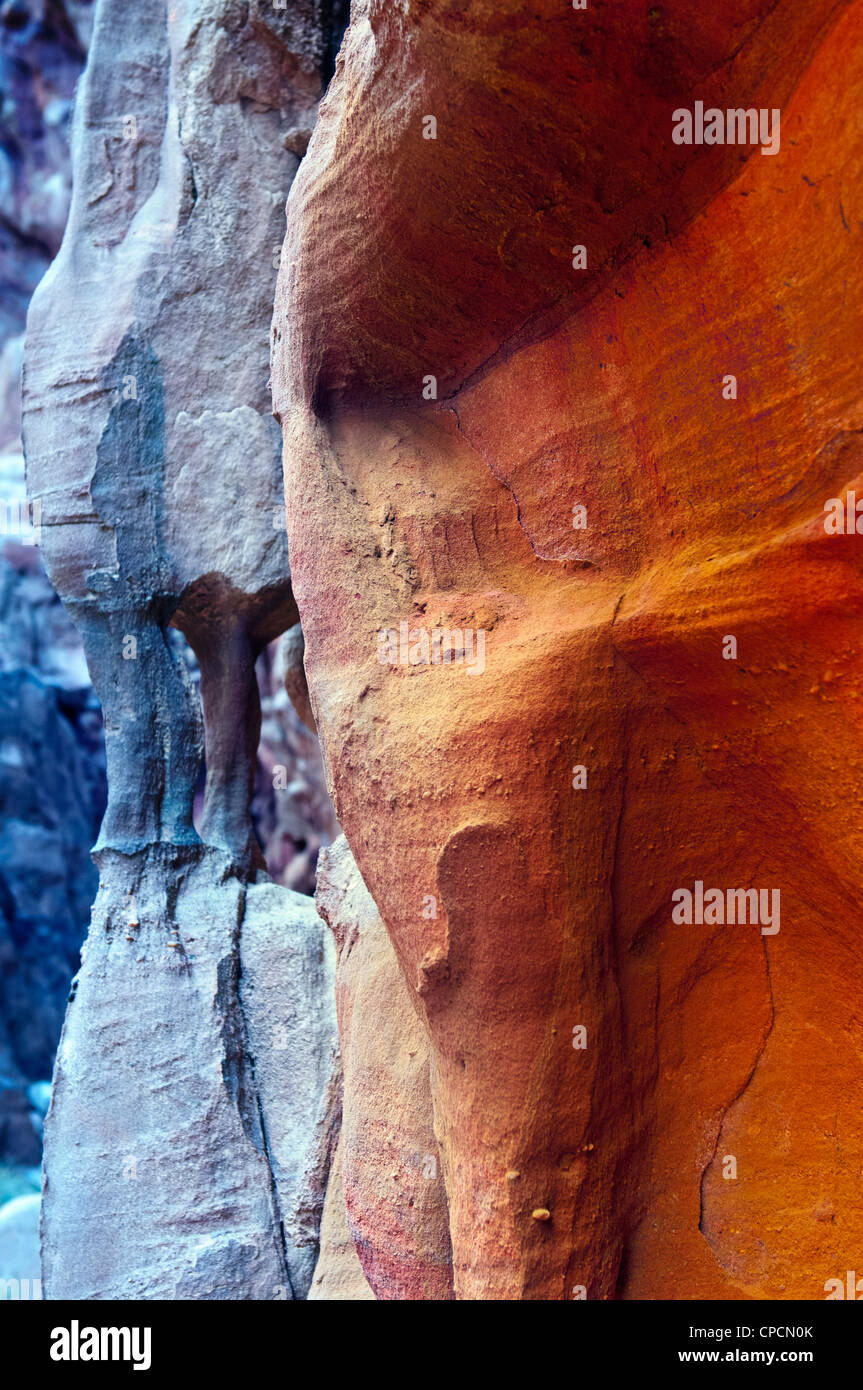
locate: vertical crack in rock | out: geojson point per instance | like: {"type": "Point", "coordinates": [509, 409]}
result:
{"type": "Point", "coordinates": [735, 1100]}
{"type": "Point", "coordinates": [504, 482]}
{"type": "Point", "coordinates": [237, 1065]}
{"type": "Point", "coordinates": [285, 991]}
{"type": "Point", "coordinates": [238, 1068]}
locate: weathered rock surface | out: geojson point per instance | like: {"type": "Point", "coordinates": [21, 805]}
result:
{"type": "Point", "coordinates": [151, 448]}
{"type": "Point", "coordinates": [286, 992]}
{"type": "Point", "coordinates": [125, 423]}
{"type": "Point", "coordinates": [338, 1274]}
{"type": "Point", "coordinates": [179, 1135]}
{"type": "Point", "coordinates": [525, 903]}
{"type": "Point", "coordinates": [390, 1167]}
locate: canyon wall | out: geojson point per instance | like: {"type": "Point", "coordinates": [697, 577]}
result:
{"type": "Point", "coordinates": [563, 402]}
{"type": "Point", "coordinates": [196, 1095]}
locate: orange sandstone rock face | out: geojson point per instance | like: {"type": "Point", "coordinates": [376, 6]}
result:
{"type": "Point", "coordinates": [389, 1166]}
{"type": "Point", "coordinates": [616, 485]}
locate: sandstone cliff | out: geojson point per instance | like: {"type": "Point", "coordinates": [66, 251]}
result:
{"type": "Point", "coordinates": [552, 381]}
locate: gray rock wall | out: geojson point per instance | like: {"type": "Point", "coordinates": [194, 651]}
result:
{"type": "Point", "coordinates": [196, 1096]}
{"type": "Point", "coordinates": [189, 1114]}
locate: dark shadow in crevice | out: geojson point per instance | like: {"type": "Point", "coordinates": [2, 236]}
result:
{"type": "Point", "coordinates": [335, 17]}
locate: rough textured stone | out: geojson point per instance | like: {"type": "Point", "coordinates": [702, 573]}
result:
{"type": "Point", "coordinates": [178, 1135]}
{"type": "Point", "coordinates": [559, 388]}
{"type": "Point", "coordinates": [151, 448]}
{"type": "Point", "coordinates": [553, 127]}
{"type": "Point", "coordinates": [390, 1167]}
{"type": "Point", "coordinates": [338, 1275]}
{"type": "Point", "coordinates": [286, 992]}
{"type": "Point", "coordinates": [126, 419]}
